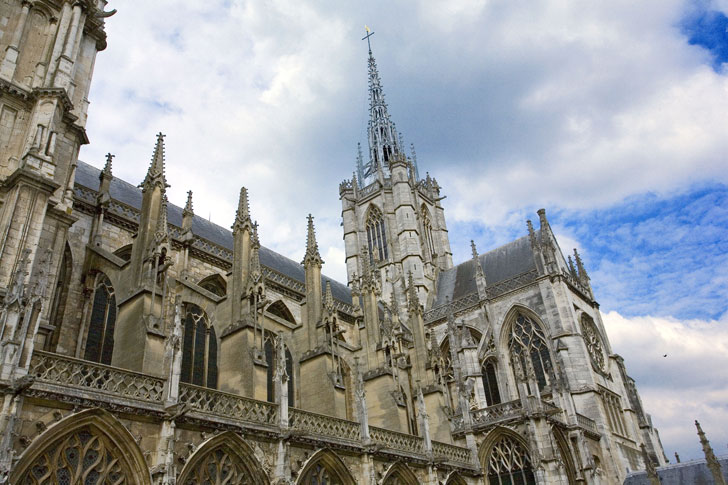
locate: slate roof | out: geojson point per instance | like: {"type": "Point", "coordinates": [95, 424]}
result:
{"type": "Point", "coordinates": [498, 265]}
{"type": "Point", "coordinates": [694, 472]}
{"type": "Point", "coordinates": [126, 193]}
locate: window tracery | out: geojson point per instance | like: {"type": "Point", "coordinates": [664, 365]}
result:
{"type": "Point", "coordinates": [83, 457]}
{"type": "Point", "coordinates": [320, 475]}
{"type": "Point", "coordinates": [376, 236]}
{"type": "Point", "coordinates": [529, 350]}
{"type": "Point", "coordinates": [215, 284]}
{"type": "Point", "coordinates": [218, 467]}
{"type": "Point", "coordinates": [593, 342]}
{"type": "Point", "coordinates": [199, 355]}
{"type": "Point", "coordinates": [509, 463]}
{"type": "Point", "coordinates": [100, 338]}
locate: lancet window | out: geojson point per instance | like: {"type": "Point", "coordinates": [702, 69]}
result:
{"type": "Point", "coordinates": [199, 355]}
{"type": "Point", "coordinates": [376, 236]}
{"type": "Point", "coordinates": [427, 228]}
{"type": "Point", "coordinates": [509, 464]}
{"type": "Point", "coordinates": [615, 413]}
{"type": "Point", "coordinates": [529, 352]}
{"type": "Point", "coordinates": [100, 338]}
{"type": "Point", "coordinates": [271, 360]}
{"type": "Point", "coordinates": [490, 382]}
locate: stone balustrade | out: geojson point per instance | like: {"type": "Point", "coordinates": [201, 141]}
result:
{"type": "Point", "coordinates": [103, 383]}
{"type": "Point", "coordinates": [80, 374]}
{"type": "Point", "coordinates": [218, 403]}
{"type": "Point", "coordinates": [396, 441]}
{"type": "Point", "coordinates": [322, 425]}
{"type": "Point", "coordinates": [587, 424]}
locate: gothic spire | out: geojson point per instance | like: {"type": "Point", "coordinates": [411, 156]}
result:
{"type": "Point", "coordinates": [329, 297]}
{"type": "Point", "coordinates": [155, 174]}
{"type": "Point", "coordinates": [160, 234]}
{"type": "Point", "coordinates": [312, 255]}
{"type": "Point", "coordinates": [383, 136]}
{"type": "Point", "coordinates": [242, 216]}
{"type": "Point", "coordinates": [413, 300]}
{"type": "Point", "coordinates": [710, 459]}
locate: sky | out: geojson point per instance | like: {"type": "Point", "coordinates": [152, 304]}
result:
{"type": "Point", "coordinates": [611, 115]}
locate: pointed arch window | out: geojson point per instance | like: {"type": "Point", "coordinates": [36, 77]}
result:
{"type": "Point", "coordinates": [427, 228]}
{"type": "Point", "coordinates": [529, 350]}
{"type": "Point", "coordinates": [509, 464]}
{"type": "Point", "coordinates": [100, 338]}
{"type": "Point", "coordinates": [271, 358]}
{"type": "Point", "coordinates": [490, 382]}
{"type": "Point", "coordinates": [376, 236]}
{"type": "Point", "coordinates": [199, 354]}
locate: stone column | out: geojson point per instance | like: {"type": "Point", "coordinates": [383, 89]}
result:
{"type": "Point", "coordinates": [65, 61]}
{"type": "Point", "coordinates": [7, 68]}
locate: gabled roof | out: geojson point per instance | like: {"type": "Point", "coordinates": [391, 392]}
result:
{"type": "Point", "coordinates": [126, 193]}
{"type": "Point", "coordinates": [500, 264]}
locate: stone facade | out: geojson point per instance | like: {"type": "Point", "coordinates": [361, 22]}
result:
{"type": "Point", "coordinates": [142, 344]}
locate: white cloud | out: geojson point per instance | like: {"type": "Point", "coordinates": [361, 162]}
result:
{"type": "Point", "coordinates": [690, 383]}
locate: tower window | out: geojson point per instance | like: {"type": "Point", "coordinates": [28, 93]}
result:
{"type": "Point", "coordinates": [376, 236]}
{"type": "Point", "coordinates": [529, 350]}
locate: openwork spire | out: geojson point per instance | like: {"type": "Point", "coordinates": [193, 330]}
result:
{"type": "Point", "coordinates": [242, 216]}
{"type": "Point", "coordinates": [384, 142]}
{"type": "Point", "coordinates": [312, 251]}
{"type": "Point", "coordinates": [155, 174]}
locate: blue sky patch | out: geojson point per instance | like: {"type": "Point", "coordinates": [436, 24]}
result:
{"type": "Point", "coordinates": [708, 29]}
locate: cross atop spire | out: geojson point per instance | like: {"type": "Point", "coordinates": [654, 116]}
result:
{"type": "Point", "coordinates": [188, 205]}
{"type": "Point", "coordinates": [384, 142]}
{"type": "Point", "coordinates": [312, 251]}
{"type": "Point", "coordinates": [369, 34]}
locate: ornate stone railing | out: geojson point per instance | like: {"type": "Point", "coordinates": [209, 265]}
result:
{"type": "Point", "coordinates": [497, 413]}
{"type": "Point", "coordinates": [322, 425]}
{"type": "Point", "coordinates": [455, 306]}
{"type": "Point", "coordinates": [396, 441]}
{"type": "Point", "coordinates": [452, 453]}
{"type": "Point", "coordinates": [502, 287]}
{"type": "Point", "coordinates": [586, 423]}
{"type": "Point", "coordinates": [226, 405]}
{"type": "Point", "coordinates": [284, 280]}
{"type": "Point", "coordinates": [81, 374]}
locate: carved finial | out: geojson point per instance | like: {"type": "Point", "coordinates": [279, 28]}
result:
{"type": "Point", "coordinates": [107, 166]}
{"type": "Point", "coordinates": [677, 457]}
{"type": "Point", "coordinates": [393, 305]}
{"type": "Point", "coordinates": [532, 235]}
{"type": "Point", "coordinates": [329, 297]}
{"type": "Point", "coordinates": [155, 174]}
{"type": "Point", "coordinates": [710, 459]}
{"type": "Point", "coordinates": [572, 269]}
{"type": "Point", "coordinates": [413, 301]}
{"type": "Point", "coordinates": [583, 276]}
{"type": "Point", "coordinates": [242, 216]}
{"type": "Point", "coordinates": [161, 230]}
{"type": "Point", "coordinates": [188, 205]}
{"type": "Point", "coordinates": [542, 218]}
{"type": "Point", "coordinates": [474, 249]}
{"type": "Point", "coordinates": [312, 252]}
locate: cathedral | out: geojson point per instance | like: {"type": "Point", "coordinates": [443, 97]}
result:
{"type": "Point", "coordinates": [143, 344]}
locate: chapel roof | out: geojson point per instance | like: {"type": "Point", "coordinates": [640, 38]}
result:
{"type": "Point", "coordinates": [126, 193]}
{"type": "Point", "coordinates": [500, 264]}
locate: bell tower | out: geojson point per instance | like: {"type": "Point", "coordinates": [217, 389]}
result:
{"type": "Point", "coordinates": [391, 217]}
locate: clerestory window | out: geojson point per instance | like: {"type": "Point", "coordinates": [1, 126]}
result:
{"type": "Point", "coordinates": [199, 355]}
{"type": "Point", "coordinates": [100, 338]}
